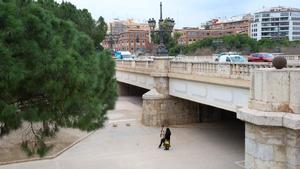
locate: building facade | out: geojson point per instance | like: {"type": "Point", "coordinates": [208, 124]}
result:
{"type": "Point", "coordinates": [128, 36]}
{"type": "Point", "coordinates": [134, 40]}
{"type": "Point", "coordinates": [236, 24]}
{"type": "Point", "coordinates": [216, 28]}
{"type": "Point", "coordinates": [190, 35]}
{"type": "Point", "coordinates": [275, 23]}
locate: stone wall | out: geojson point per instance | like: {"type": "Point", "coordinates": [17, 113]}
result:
{"type": "Point", "coordinates": [271, 147]}
{"type": "Point", "coordinates": [169, 111]}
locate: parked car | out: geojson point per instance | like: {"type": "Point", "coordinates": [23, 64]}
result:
{"type": "Point", "coordinates": [261, 57]}
{"type": "Point", "coordinates": [125, 55]}
{"type": "Point", "coordinates": [232, 58]}
{"type": "Point", "coordinates": [217, 56]}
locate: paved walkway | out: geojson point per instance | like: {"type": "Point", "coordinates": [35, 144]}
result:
{"type": "Point", "coordinates": [201, 146]}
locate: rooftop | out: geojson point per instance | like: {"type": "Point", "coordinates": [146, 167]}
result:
{"type": "Point", "coordinates": [279, 9]}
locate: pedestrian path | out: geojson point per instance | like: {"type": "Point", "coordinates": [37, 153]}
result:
{"type": "Point", "coordinates": [134, 146]}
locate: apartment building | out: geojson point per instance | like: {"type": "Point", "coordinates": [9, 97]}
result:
{"type": "Point", "coordinates": [275, 23]}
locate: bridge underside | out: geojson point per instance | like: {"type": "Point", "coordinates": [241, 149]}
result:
{"type": "Point", "coordinates": [176, 110]}
{"type": "Point", "coordinates": [220, 96]}
{"type": "Point", "coordinates": [203, 91]}
{"type": "Point", "coordinates": [125, 89]}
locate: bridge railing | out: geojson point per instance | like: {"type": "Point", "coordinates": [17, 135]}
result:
{"type": "Point", "coordinates": [203, 68]}
{"type": "Point", "coordinates": [216, 69]}
{"type": "Point", "coordinates": [135, 65]}
{"type": "Point", "coordinates": [194, 58]}
{"type": "Point", "coordinates": [291, 58]}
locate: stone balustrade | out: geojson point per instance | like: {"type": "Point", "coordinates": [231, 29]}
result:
{"type": "Point", "coordinates": [291, 57]}
{"type": "Point", "coordinates": [145, 66]}
{"type": "Point", "coordinates": [216, 69]}
{"type": "Point", "coordinates": [203, 68]}
{"type": "Point", "coordinates": [194, 58]}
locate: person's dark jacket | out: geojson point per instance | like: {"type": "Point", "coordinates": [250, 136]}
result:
{"type": "Point", "coordinates": [168, 134]}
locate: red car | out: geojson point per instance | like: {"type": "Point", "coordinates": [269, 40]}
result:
{"type": "Point", "coordinates": [260, 57]}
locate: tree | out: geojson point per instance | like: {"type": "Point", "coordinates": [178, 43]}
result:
{"type": "Point", "coordinates": [50, 72]}
{"type": "Point", "coordinates": [81, 18]}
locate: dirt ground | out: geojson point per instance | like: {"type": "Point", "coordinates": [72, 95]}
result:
{"type": "Point", "coordinates": [10, 149]}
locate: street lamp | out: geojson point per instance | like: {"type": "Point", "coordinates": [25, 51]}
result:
{"type": "Point", "coordinates": [169, 24]}
{"type": "Point", "coordinates": [111, 39]}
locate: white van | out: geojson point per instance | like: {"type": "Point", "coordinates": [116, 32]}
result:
{"type": "Point", "coordinates": [232, 58]}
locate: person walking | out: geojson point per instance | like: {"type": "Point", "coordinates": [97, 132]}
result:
{"type": "Point", "coordinates": [162, 135]}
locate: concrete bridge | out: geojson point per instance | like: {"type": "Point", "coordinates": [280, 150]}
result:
{"type": "Point", "coordinates": [268, 100]}
{"type": "Point", "coordinates": [222, 85]}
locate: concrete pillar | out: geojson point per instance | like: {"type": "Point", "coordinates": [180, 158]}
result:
{"type": "Point", "coordinates": [272, 120]}
{"type": "Point", "coordinates": [161, 108]}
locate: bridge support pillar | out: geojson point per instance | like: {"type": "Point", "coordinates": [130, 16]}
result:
{"type": "Point", "coordinates": [161, 108]}
{"type": "Point", "coordinates": [272, 120]}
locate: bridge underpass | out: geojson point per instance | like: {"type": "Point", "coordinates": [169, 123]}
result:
{"type": "Point", "coordinates": [264, 97]}
{"type": "Point", "coordinates": [203, 112]}
{"type": "Point", "coordinates": [216, 131]}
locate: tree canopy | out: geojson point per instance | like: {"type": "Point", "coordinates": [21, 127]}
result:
{"type": "Point", "coordinates": [50, 70]}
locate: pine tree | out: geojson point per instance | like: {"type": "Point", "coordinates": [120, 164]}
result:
{"type": "Point", "coordinates": [50, 71]}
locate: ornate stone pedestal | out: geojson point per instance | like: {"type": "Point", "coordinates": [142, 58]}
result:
{"type": "Point", "coordinates": [272, 121]}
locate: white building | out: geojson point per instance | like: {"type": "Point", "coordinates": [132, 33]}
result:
{"type": "Point", "coordinates": [277, 22]}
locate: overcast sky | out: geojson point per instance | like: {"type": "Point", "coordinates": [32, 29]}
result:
{"type": "Point", "coordinates": [185, 12]}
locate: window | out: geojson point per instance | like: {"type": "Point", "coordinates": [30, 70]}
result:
{"type": "Point", "coordinates": [295, 19]}
{"type": "Point", "coordinates": [284, 14]}
{"type": "Point", "coordinates": [296, 33]}
{"type": "Point", "coordinates": [274, 19]}
{"type": "Point", "coordinates": [296, 28]}
{"type": "Point", "coordinates": [227, 59]}
{"type": "Point", "coordinates": [265, 20]}
{"type": "Point", "coordinates": [284, 23]}
{"type": "Point", "coordinates": [266, 24]}
{"type": "Point", "coordinates": [296, 23]}
{"type": "Point", "coordinates": [266, 15]}
{"type": "Point", "coordinates": [284, 18]}
{"type": "Point", "coordinates": [284, 28]}
{"type": "Point", "coordinates": [266, 29]}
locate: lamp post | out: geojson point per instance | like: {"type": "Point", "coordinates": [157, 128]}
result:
{"type": "Point", "coordinates": [169, 23]}
{"type": "Point", "coordinates": [111, 39]}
